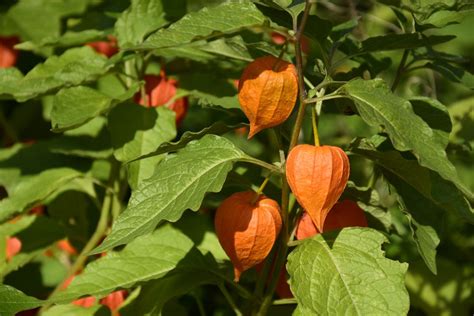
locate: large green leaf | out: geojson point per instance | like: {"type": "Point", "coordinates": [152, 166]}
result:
{"type": "Point", "coordinates": [316, 27]}
{"type": "Point", "coordinates": [228, 17]}
{"type": "Point", "coordinates": [75, 66]}
{"type": "Point", "coordinates": [39, 234]}
{"type": "Point", "coordinates": [423, 194]}
{"type": "Point", "coordinates": [179, 183]}
{"type": "Point", "coordinates": [155, 294]}
{"type": "Point", "coordinates": [68, 39]}
{"type": "Point", "coordinates": [407, 131]}
{"type": "Point", "coordinates": [145, 131]}
{"type": "Point", "coordinates": [210, 89]}
{"type": "Point", "coordinates": [90, 140]}
{"type": "Point", "coordinates": [33, 190]}
{"type": "Point", "coordinates": [426, 183]}
{"type": "Point", "coordinates": [346, 273]}
{"type": "Point", "coordinates": [37, 19]}
{"type": "Point", "coordinates": [217, 128]}
{"type": "Point", "coordinates": [8, 80]}
{"type": "Point", "coordinates": [13, 301]}
{"type": "Point", "coordinates": [144, 17]}
{"type": "Point", "coordinates": [73, 310]}
{"type": "Point", "coordinates": [75, 106]}
{"type": "Point", "coordinates": [403, 41]}
{"type": "Point", "coordinates": [22, 161]}
{"type": "Point", "coordinates": [229, 47]}
{"type": "Point", "coordinates": [436, 115]}
{"type": "Point", "coordinates": [148, 257]}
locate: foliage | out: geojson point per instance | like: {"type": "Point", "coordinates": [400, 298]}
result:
{"type": "Point", "coordinates": [121, 196]}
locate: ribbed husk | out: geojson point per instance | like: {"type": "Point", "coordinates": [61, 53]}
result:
{"type": "Point", "coordinates": [317, 176]}
{"type": "Point", "coordinates": [268, 89]}
{"type": "Point", "coordinates": [247, 231]}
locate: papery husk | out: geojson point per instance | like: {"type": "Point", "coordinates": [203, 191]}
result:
{"type": "Point", "coordinates": [247, 230]}
{"type": "Point", "coordinates": [268, 89]}
{"type": "Point", "coordinates": [317, 176]}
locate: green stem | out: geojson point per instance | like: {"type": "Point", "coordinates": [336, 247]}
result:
{"type": "Point", "coordinates": [285, 191]}
{"type": "Point", "coordinates": [101, 228]}
{"type": "Point", "coordinates": [324, 98]}
{"type": "Point", "coordinates": [260, 189]}
{"type": "Point", "coordinates": [400, 70]}
{"type": "Point", "coordinates": [285, 301]}
{"type": "Point", "coordinates": [263, 277]}
{"type": "Point", "coordinates": [229, 299]}
{"type": "Point", "coordinates": [202, 311]}
{"type": "Point", "coordinates": [261, 163]}
{"type": "Point", "coordinates": [315, 128]}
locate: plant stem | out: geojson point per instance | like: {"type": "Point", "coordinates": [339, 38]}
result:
{"type": "Point", "coordinates": [95, 239]}
{"type": "Point", "coordinates": [262, 280]}
{"type": "Point", "coordinates": [202, 311]}
{"type": "Point", "coordinates": [315, 128]}
{"type": "Point", "coordinates": [261, 163]}
{"type": "Point", "coordinates": [285, 191]}
{"type": "Point", "coordinates": [400, 70]}
{"type": "Point", "coordinates": [229, 299]}
{"type": "Point", "coordinates": [324, 98]}
{"type": "Point", "coordinates": [260, 189]}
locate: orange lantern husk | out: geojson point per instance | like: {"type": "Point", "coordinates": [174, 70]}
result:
{"type": "Point", "coordinates": [247, 229]}
{"type": "Point", "coordinates": [317, 175]}
{"type": "Point", "coordinates": [268, 89]}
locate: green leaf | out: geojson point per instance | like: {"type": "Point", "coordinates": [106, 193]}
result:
{"type": "Point", "coordinates": [76, 106]}
{"type": "Point", "coordinates": [379, 107]}
{"type": "Point", "coordinates": [145, 131]}
{"type": "Point", "coordinates": [146, 258]}
{"type": "Point", "coordinates": [462, 113]}
{"type": "Point", "coordinates": [369, 200]}
{"type": "Point", "coordinates": [228, 17]}
{"type": "Point", "coordinates": [38, 19]}
{"type": "Point", "coordinates": [33, 190]}
{"type": "Point", "coordinates": [453, 73]}
{"type": "Point", "coordinates": [179, 183]}
{"type": "Point", "coordinates": [90, 140]}
{"type": "Point", "coordinates": [9, 78]}
{"type": "Point", "coordinates": [234, 47]}
{"type": "Point", "coordinates": [40, 233]}
{"type": "Point", "coordinates": [427, 240]}
{"type": "Point", "coordinates": [68, 39]}
{"type": "Point", "coordinates": [346, 273]}
{"type": "Point", "coordinates": [443, 18]}
{"type": "Point", "coordinates": [72, 310]}
{"type": "Point", "coordinates": [22, 161]}
{"type": "Point", "coordinates": [316, 27]}
{"type": "Point", "coordinates": [422, 193]}
{"type": "Point", "coordinates": [403, 41]}
{"type": "Point", "coordinates": [210, 89]}
{"type": "Point", "coordinates": [14, 301]}
{"type": "Point", "coordinates": [74, 67]}
{"type": "Point", "coordinates": [144, 17]}
{"type": "Point", "coordinates": [200, 228]}
{"type": "Point", "coordinates": [154, 295]}
{"type": "Point", "coordinates": [218, 128]}
{"type": "Point", "coordinates": [436, 115]}
{"type": "Point", "coordinates": [428, 184]}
